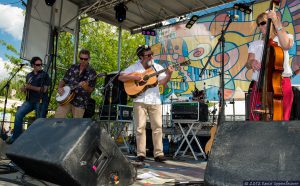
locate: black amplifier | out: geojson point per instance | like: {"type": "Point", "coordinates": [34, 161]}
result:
{"type": "Point", "coordinates": [192, 111]}
{"type": "Point", "coordinates": [122, 113]}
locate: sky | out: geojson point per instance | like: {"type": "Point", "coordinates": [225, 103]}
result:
{"type": "Point", "coordinates": [11, 28]}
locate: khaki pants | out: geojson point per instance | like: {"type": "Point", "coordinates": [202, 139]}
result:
{"type": "Point", "coordinates": [63, 110]}
{"type": "Point", "coordinates": [140, 115]}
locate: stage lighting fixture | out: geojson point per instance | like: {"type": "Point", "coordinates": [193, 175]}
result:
{"type": "Point", "coordinates": [50, 2]}
{"type": "Point", "coordinates": [243, 8]}
{"type": "Point", "coordinates": [192, 21]}
{"type": "Point", "coordinates": [149, 32]}
{"type": "Point", "coordinates": [120, 12]}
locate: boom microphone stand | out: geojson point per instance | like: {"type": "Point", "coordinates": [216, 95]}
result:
{"type": "Point", "coordinates": [6, 86]}
{"type": "Point", "coordinates": [110, 85]}
{"type": "Point", "coordinates": [221, 42]}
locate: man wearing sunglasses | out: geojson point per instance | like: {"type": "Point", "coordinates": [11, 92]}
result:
{"type": "Point", "coordinates": [147, 103]}
{"type": "Point", "coordinates": [255, 52]}
{"type": "Point", "coordinates": [36, 87]}
{"type": "Point", "coordinates": [81, 78]}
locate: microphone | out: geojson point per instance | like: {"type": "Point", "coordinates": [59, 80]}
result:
{"type": "Point", "coordinates": [234, 17]}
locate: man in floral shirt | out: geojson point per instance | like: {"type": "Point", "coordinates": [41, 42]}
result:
{"type": "Point", "coordinates": [82, 80]}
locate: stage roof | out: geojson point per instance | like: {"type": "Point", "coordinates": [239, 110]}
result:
{"type": "Point", "coordinates": [142, 13]}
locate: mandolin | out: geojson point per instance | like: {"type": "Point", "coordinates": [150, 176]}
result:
{"type": "Point", "coordinates": [135, 88]}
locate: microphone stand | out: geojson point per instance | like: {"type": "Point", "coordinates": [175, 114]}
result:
{"type": "Point", "coordinates": [221, 41]}
{"type": "Point", "coordinates": [6, 86]}
{"type": "Point", "coordinates": [110, 85]}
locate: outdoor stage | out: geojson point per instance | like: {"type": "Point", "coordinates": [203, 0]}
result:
{"type": "Point", "coordinates": [173, 171]}
{"type": "Point", "coordinates": [242, 151]}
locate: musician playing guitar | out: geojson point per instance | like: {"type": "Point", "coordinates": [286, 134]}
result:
{"type": "Point", "coordinates": [82, 76]}
{"type": "Point", "coordinates": [148, 102]}
{"type": "Point", "coordinates": [285, 41]}
{"type": "Point", "coordinates": [36, 86]}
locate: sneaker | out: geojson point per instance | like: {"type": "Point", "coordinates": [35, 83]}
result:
{"type": "Point", "coordinates": [140, 159]}
{"type": "Point", "coordinates": [160, 159]}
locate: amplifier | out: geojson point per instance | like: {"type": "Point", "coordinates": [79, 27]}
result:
{"type": "Point", "coordinates": [192, 111]}
{"type": "Point", "coordinates": [122, 113]}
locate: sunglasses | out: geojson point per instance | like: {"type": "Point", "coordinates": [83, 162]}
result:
{"type": "Point", "coordinates": [83, 59]}
{"type": "Point", "coordinates": [38, 65]}
{"type": "Point", "coordinates": [144, 46]}
{"type": "Point", "coordinates": [262, 23]}
{"type": "Point", "coordinates": [149, 55]}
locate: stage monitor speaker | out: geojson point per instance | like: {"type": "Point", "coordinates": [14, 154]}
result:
{"type": "Point", "coordinates": [119, 96]}
{"type": "Point", "coordinates": [254, 151]}
{"type": "Point", "coordinates": [70, 152]}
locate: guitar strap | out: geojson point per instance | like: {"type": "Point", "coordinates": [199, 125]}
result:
{"type": "Point", "coordinates": [154, 69]}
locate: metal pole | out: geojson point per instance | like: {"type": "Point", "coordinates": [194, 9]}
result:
{"type": "Point", "coordinates": [76, 40]}
{"type": "Point", "coordinates": [119, 48]}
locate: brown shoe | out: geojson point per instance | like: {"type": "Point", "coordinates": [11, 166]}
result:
{"type": "Point", "coordinates": [160, 159]}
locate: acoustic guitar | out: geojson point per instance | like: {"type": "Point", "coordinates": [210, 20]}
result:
{"type": "Point", "coordinates": [135, 88]}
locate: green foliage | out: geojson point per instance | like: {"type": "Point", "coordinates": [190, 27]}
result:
{"type": "Point", "coordinates": [98, 37]}
{"type": "Point", "coordinates": [18, 81]}
{"type": "Point", "coordinates": [102, 41]}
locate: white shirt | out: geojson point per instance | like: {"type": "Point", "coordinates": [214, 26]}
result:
{"type": "Point", "coordinates": [151, 95]}
{"type": "Point", "coordinates": [257, 47]}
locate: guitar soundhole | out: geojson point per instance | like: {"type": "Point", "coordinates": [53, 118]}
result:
{"type": "Point", "coordinates": [146, 78]}
{"type": "Point", "coordinates": [142, 83]}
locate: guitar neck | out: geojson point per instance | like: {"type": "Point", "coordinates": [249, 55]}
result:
{"type": "Point", "coordinates": [157, 73]}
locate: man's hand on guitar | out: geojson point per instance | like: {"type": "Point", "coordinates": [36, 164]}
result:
{"type": "Point", "coordinates": [138, 78]}
{"type": "Point", "coordinates": [61, 91]}
{"type": "Point", "coordinates": [23, 88]}
{"type": "Point", "coordinates": [84, 85]}
{"type": "Point", "coordinates": [170, 70]}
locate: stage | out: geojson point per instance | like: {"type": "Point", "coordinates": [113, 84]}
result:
{"type": "Point", "coordinates": [173, 171]}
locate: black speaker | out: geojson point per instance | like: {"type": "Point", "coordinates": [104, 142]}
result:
{"type": "Point", "coordinates": [254, 151]}
{"type": "Point", "coordinates": [122, 113]}
{"type": "Point", "coordinates": [194, 111]}
{"type": "Point", "coordinates": [89, 112]}
{"type": "Point", "coordinates": [247, 106]}
{"type": "Point", "coordinates": [119, 96]}
{"type": "Point", "coordinates": [70, 152]}
{"type": "Point", "coordinates": [295, 113]}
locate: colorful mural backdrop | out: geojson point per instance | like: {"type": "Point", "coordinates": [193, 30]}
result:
{"type": "Point", "coordinates": [175, 44]}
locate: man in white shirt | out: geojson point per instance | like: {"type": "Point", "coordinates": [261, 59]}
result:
{"type": "Point", "coordinates": [147, 103]}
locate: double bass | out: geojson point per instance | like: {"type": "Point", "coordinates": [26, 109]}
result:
{"type": "Point", "coordinates": [268, 89]}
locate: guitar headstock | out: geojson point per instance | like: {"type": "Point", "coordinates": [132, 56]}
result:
{"type": "Point", "coordinates": [185, 63]}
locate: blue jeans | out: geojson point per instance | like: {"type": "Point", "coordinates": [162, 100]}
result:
{"type": "Point", "coordinates": [40, 112]}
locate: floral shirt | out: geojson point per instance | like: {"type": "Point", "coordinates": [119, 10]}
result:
{"type": "Point", "coordinates": [72, 78]}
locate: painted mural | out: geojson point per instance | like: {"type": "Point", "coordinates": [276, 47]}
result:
{"type": "Point", "coordinates": [175, 44]}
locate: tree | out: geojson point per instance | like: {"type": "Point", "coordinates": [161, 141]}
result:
{"type": "Point", "coordinates": [102, 41]}
{"type": "Point", "coordinates": [19, 79]}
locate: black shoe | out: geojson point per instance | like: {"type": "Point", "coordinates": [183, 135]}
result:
{"type": "Point", "coordinates": [9, 141]}
{"type": "Point", "coordinates": [140, 159]}
{"type": "Point", "coordinates": [160, 159]}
